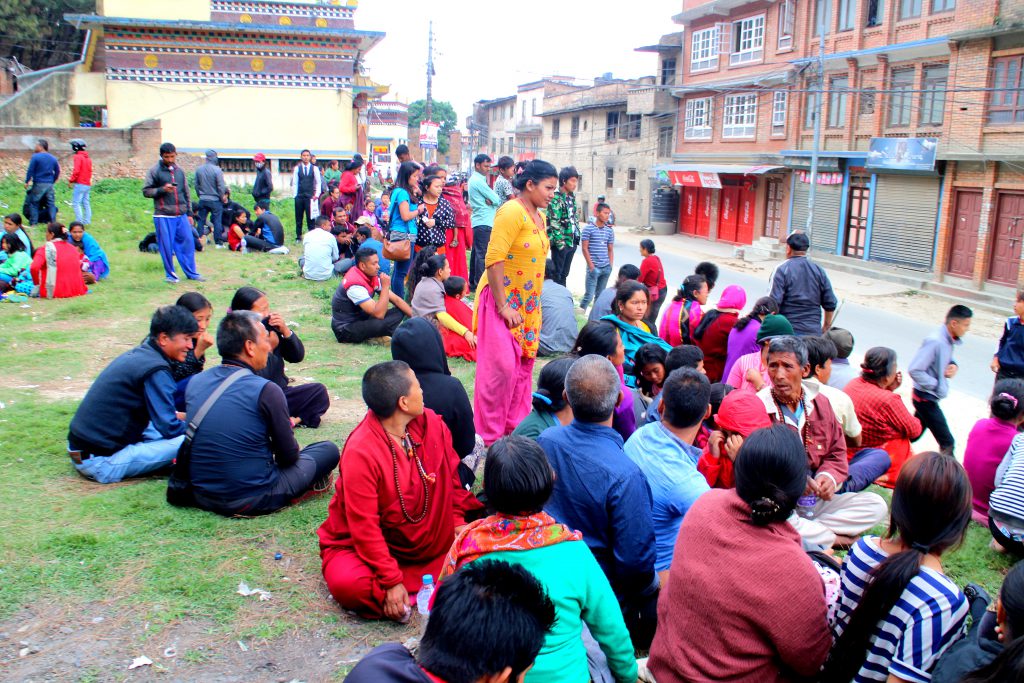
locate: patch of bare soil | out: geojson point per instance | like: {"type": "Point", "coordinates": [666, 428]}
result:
{"type": "Point", "coordinates": [95, 643]}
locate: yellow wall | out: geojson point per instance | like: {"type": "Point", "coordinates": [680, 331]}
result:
{"type": "Point", "coordinates": [182, 10]}
{"type": "Point", "coordinates": [273, 120]}
{"type": "Point", "coordinates": [88, 89]}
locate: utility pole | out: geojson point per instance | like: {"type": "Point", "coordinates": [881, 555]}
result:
{"type": "Point", "coordinates": [428, 110]}
{"type": "Point", "coordinates": [817, 118]}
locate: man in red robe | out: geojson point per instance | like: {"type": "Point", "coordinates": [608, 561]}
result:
{"type": "Point", "coordinates": [398, 502]}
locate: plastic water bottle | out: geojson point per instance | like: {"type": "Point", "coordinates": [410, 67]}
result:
{"type": "Point", "coordinates": [423, 597]}
{"type": "Point", "coordinates": [805, 505]}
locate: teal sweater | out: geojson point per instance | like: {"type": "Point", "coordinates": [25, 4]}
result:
{"type": "Point", "coordinates": [15, 263]}
{"type": "Point", "coordinates": [581, 594]}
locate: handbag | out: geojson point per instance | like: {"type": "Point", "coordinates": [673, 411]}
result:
{"type": "Point", "coordinates": [179, 484]}
{"type": "Point", "coordinates": [398, 250]}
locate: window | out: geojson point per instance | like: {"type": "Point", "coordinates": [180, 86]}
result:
{"type": "Point", "coordinates": [822, 12]}
{"type": "Point", "coordinates": [501, 146]}
{"type": "Point", "coordinates": [847, 14]}
{"type": "Point", "coordinates": [740, 119]}
{"type": "Point", "coordinates": [511, 111]}
{"type": "Point", "coordinates": [837, 97]}
{"type": "Point", "coordinates": [704, 49]}
{"type": "Point", "coordinates": [875, 8]}
{"type": "Point", "coordinates": [630, 126]}
{"type": "Point", "coordinates": [811, 103]}
{"type": "Point", "coordinates": [533, 106]}
{"type": "Point", "coordinates": [780, 102]}
{"type": "Point", "coordinates": [1007, 103]}
{"type": "Point", "coordinates": [631, 179]}
{"type": "Point", "coordinates": [668, 71]}
{"type": "Point", "coordinates": [787, 20]}
{"type": "Point", "coordinates": [665, 141]}
{"type": "Point", "coordinates": [901, 99]}
{"type": "Point", "coordinates": [867, 101]}
{"type": "Point", "coordinates": [574, 128]}
{"type": "Point", "coordinates": [910, 9]}
{"type": "Point", "coordinates": [555, 125]}
{"type": "Point", "coordinates": [697, 119]}
{"type": "Point", "coordinates": [237, 165]}
{"type": "Point", "coordinates": [494, 115]}
{"type": "Point", "coordinates": [510, 138]}
{"type": "Point", "coordinates": [611, 127]}
{"type": "Point", "coordinates": [609, 178]}
{"type": "Point", "coordinates": [748, 40]}
{"type": "Point", "coordinates": [494, 145]}
{"type": "Point", "coordinates": [943, 6]}
{"type": "Point", "coordinates": [523, 115]}
{"type": "Point", "coordinates": [933, 97]}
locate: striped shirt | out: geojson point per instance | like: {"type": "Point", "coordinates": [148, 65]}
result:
{"type": "Point", "coordinates": [928, 617]}
{"type": "Point", "coordinates": [597, 240]}
{"type": "Point", "coordinates": [1007, 500]}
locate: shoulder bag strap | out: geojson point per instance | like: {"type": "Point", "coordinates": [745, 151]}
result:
{"type": "Point", "coordinates": [194, 423]}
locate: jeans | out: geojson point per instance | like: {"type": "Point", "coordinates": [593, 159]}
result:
{"type": "Point", "coordinates": [36, 195]}
{"type": "Point", "coordinates": [80, 203]}
{"type": "Point", "coordinates": [867, 465]}
{"type": "Point", "coordinates": [562, 258]}
{"type": "Point", "coordinates": [398, 277]}
{"type": "Point", "coordinates": [149, 455]}
{"type": "Point", "coordinates": [477, 261]}
{"type": "Point", "coordinates": [213, 208]}
{"type": "Point", "coordinates": [597, 280]}
{"type": "Point", "coordinates": [932, 417]}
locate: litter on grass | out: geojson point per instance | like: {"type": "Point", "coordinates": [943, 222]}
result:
{"type": "Point", "coordinates": [243, 589]}
{"type": "Point", "coordinates": [140, 662]}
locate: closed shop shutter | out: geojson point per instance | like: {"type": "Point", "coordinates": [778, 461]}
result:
{"type": "Point", "coordinates": [903, 230]}
{"type": "Point", "coordinates": [827, 201]}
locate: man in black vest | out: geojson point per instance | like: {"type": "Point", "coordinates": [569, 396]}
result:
{"type": "Point", "coordinates": [305, 188]}
{"type": "Point", "coordinates": [355, 315]}
{"type": "Point", "coordinates": [244, 457]}
{"type": "Point", "coordinates": [126, 425]}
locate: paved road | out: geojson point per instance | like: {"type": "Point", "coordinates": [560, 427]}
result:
{"type": "Point", "coordinates": [870, 327]}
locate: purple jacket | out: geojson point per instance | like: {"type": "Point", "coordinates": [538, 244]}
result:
{"type": "Point", "coordinates": [741, 342]}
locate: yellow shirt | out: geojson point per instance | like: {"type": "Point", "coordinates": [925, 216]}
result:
{"type": "Point", "coordinates": [523, 246]}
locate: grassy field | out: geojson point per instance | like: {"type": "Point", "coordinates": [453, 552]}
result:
{"type": "Point", "coordinates": [72, 549]}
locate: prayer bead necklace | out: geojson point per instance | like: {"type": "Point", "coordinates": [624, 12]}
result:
{"type": "Point", "coordinates": [782, 416]}
{"type": "Point", "coordinates": [411, 452]}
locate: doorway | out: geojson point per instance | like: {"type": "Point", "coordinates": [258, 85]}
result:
{"type": "Point", "coordinates": [1006, 237]}
{"type": "Point", "coordinates": [857, 217]}
{"type": "Point", "coordinates": [963, 244]}
{"type": "Point", "coordinates": [773, 209]}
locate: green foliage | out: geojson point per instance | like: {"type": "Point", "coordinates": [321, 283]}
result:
{"type": "Point", "coordinates": [443, 113]}
{"type": "Point", "coordinates": [35, 32]}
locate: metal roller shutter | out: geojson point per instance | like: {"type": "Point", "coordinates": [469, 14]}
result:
{"type": "Point", "coordinates": [903, 230]}
{"type": "Point", "coordinates": [827, 201]}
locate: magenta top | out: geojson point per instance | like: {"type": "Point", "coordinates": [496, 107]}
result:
{"type": "Point", "coordinates": [987, 444]}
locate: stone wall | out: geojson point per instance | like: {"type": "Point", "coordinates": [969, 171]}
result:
{"type": "Point", "coordinates": [115, 152]}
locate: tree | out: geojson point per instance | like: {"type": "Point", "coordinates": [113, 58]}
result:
{"type": "Point", "coordinates": [35, 31]}
{"type": "Point", "coordinates": [443, 113]}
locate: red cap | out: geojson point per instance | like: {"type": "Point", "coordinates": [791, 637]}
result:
{"type": "Point", "coordinates": [259, 156]}
{"type": "Point", "coordinates": [742, 412]}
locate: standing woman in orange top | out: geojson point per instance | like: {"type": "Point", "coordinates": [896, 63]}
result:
{"type": "Point", "coordinates": [507, 308]}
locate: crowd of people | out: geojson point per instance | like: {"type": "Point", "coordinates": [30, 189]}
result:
{"type": "Point", "coordinates": [676, 483]}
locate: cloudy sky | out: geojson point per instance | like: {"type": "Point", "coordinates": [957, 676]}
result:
{"type": "Point", "coordinates": [484, 49]}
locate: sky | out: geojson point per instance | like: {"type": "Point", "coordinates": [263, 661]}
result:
{"type": "Point", "coordinates": [485, 49]}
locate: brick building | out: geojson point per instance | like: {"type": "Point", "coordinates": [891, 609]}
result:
{"type": "Point", "coordinates": [941, 79]}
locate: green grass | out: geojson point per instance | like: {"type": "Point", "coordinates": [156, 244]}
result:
{"type": "Point", "coordinates": [70, 542]}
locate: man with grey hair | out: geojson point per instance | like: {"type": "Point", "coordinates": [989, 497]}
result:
{"type": "Point", "coordinates": [602, 493]}
{"type": "Point", "coordinates": [244, 458]}
{"type": "Point", "coordinates": [825, 517]}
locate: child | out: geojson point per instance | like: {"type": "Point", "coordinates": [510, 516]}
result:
{"type": "Point", "coordinates": [369, 212]}
{"type": "Point", "coordinates": [15, 264]}
{"type": "Point", "coordinates": [455, 288]}
{"type": "Point", "coordinates": [739, 414]}
{"type": "Point", "coordinates": [652, 274]}
{"type": "Point", "coordinates": [686, 356]}
{"type": "Point", "coordinates": [649, 370]}
{"type": "Point", "coordinates": [428, 295]}
{"type": "Point", "coordinates": [236, 234]}
{"type": "Point", "coordinates": [1008, 363]}
{"type": "Point", "coordinates": [99, 266]}
{"type": "Point", "coordinates": [87, 276]}
{"type": "Point", "coordinates": [12, 226]}
{"type": "Point", "coordinates": [932, 368]}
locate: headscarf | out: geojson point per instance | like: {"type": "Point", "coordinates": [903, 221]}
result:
{"type": "Point", "coordinates": [733, 298]}
{"type": "Point", "coordinates": [743, 413]}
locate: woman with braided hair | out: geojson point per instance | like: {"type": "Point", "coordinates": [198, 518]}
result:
{"type": "Point", "coordinates": [727, 613]}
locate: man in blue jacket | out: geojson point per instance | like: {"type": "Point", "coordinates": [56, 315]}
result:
{"type": "Point", "coordinates": [931, 369]}
{"type": "Point", "coordinates": [126, 425]}
{"type": "Point", "coordinates": [43, 171]}
{"type": "Point", "coordinates": [602, 493]}
{"type": "Point", "coordinates": [802, 290]}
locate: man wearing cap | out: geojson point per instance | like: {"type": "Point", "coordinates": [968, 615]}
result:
{"type": "Point", "coordinates": [750, 372]}
{"type": "Point", "coordinates": [483, 202]}
{"type": "Point", "coordinates": [842, 371]}
{"type": "Point", "coordinates": [611, 214]}
{"type": "Point", "coordinates": [263, 186]}
{"type": "Point", "coordinates": [802, 289]}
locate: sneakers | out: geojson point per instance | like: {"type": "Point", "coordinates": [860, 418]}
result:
{"type": "Point", "coordinates": [171, 280]}
{"type": "Point", "coordinates": [278, 250]}
{"type": "Point", "coordinates": [198, 278]}
{"type": "Point", "coordinates": [379, 341]}
{"type": "Point", "coordinates": [319, 488]}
